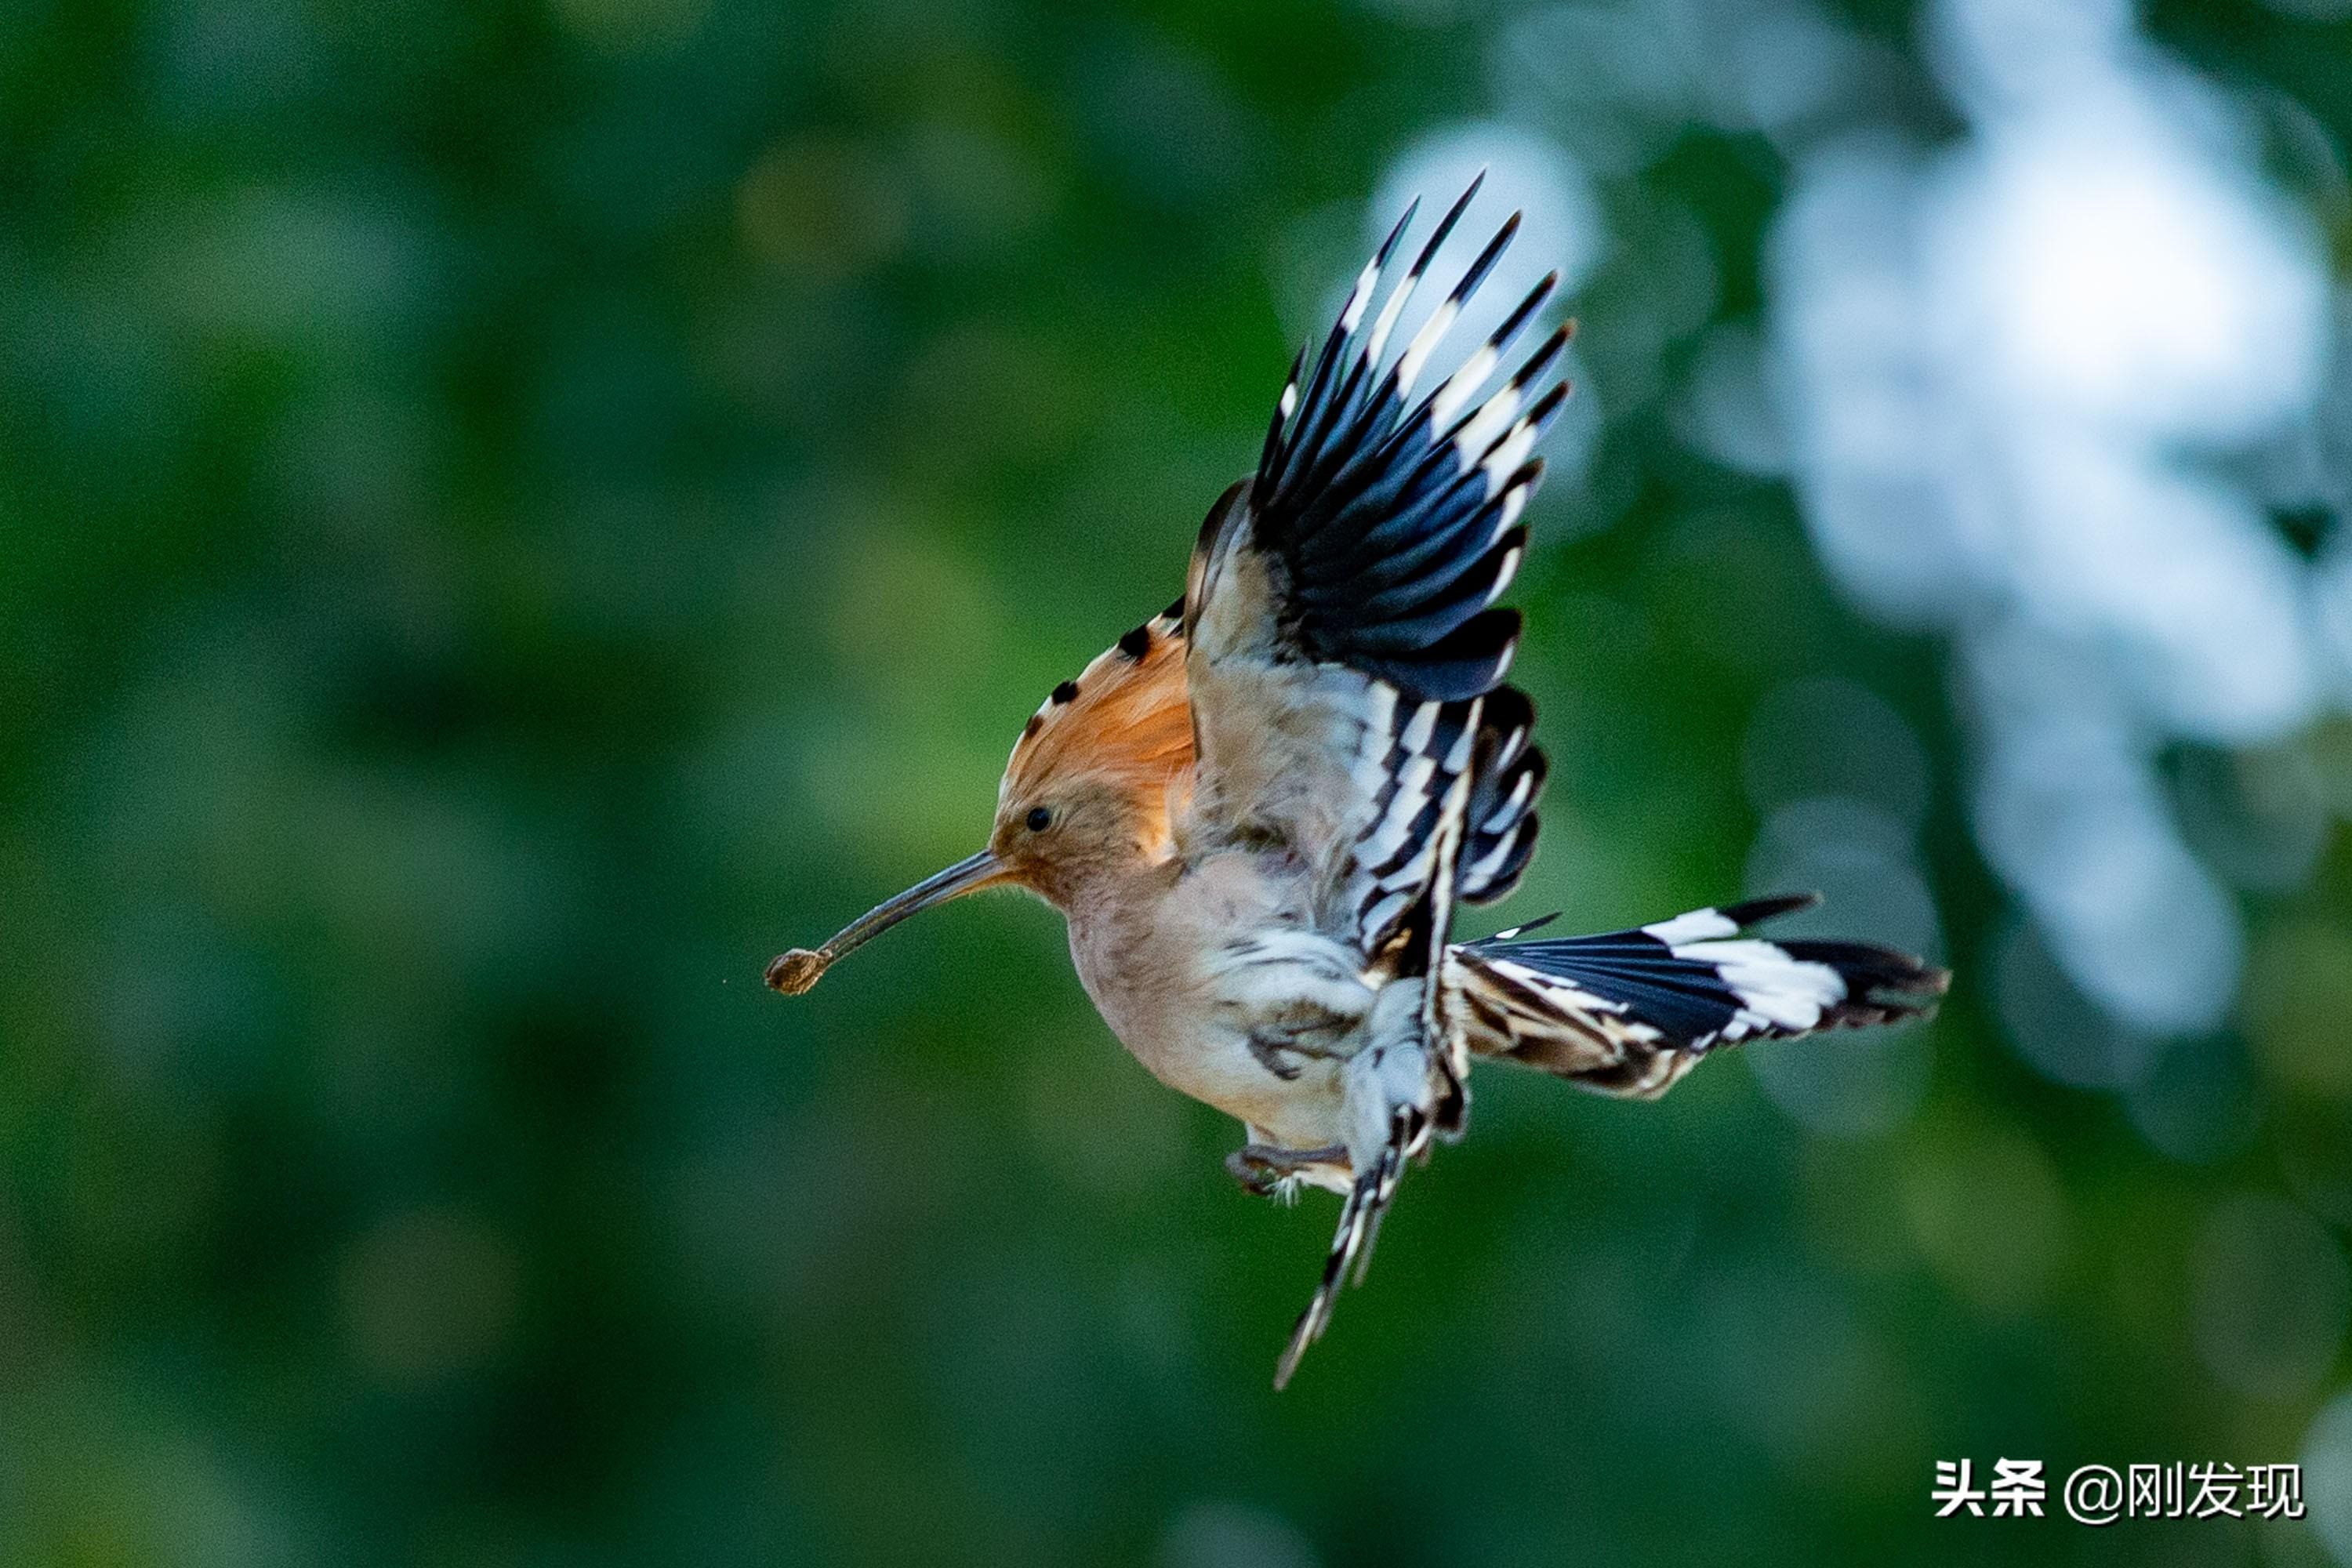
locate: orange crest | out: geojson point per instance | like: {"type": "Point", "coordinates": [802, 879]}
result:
{"type": "Point", "coordinates": [1125, 720]}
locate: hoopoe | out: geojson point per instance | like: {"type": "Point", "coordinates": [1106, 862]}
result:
{"type": "Point", "coordinates": [1258, 810]}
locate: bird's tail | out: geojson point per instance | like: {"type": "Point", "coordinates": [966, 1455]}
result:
{"type": "Point", "coordinates": [1628, 1011]}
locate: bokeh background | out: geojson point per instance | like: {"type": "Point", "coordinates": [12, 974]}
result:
{"type": "Point", "coordinates": [512, 515]}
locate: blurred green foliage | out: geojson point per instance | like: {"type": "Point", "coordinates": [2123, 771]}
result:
{"type": "Point", "coordinates": [511, 516]}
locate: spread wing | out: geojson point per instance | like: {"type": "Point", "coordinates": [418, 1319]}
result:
{"type": "Point", "coordinates": [1345, 669]}
{"type": "Point", "coordinates": [1346, 658]}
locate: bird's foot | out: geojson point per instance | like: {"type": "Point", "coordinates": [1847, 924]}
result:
{"type": "Point", "coordinates": [1270, 1171]}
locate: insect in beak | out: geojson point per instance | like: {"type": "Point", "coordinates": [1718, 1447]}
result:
{"type": "Point", "coordinates": [795, 972]}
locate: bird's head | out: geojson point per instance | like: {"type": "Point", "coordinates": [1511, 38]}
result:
{"type": "Point", "coordinates": [1090, 789]}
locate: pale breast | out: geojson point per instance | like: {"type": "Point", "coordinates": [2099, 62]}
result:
{"type": "Point", "coordinates": [1161, 973]}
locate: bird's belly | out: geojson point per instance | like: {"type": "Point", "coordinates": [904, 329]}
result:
{"type": "Point", "coordinates": [1215, 1064]}
{"type": "Point", "coordinates": [1222, 993]}
{"type": "Point", "coordinates": [1189, 1041]}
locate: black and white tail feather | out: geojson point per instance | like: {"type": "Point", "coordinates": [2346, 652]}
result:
{"type": "Point", "coordinates": [1629, 1012]}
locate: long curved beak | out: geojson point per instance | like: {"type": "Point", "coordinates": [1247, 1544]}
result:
{"type": "Point", "coordinates": [796, 971]}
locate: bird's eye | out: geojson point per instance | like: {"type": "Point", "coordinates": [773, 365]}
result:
{"type": "Point", "coordinates": [1040, 820]}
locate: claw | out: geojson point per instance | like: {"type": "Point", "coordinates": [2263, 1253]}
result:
{"type": "Point", "coordinates": [1270, 1171]}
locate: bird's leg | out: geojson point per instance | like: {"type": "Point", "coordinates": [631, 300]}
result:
{"type": "Point", "coordinates": [1271, 1171]}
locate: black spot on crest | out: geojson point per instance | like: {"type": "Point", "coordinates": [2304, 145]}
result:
{"type": "Point", "coordinates": [1136, 642]}
{"type": "Point", "coordinates": [1065, 692]}
{"type": "Point", "coordinates": [1036, 723]}
{"type": "Point", "coordinates": [1175, 612]}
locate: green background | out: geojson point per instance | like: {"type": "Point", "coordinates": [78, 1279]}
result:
{"type": "Point", "coordinates": [510, 517]}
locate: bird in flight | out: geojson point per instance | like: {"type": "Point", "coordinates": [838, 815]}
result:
{"type": "Point", "coordinates": [1260, 810]}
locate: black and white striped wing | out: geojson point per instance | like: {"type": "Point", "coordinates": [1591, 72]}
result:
{"type": "Point", "coordinates": [1421, 1092]}
{"type": "Point", "coordinates": [1629, 1012]}
{"type": "Point", "coordinates": [1347, 656]}
{"type": "Point", "coordinates": [1507, 775]}
{"type": "Point", "coordinates": [1346, 676]}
